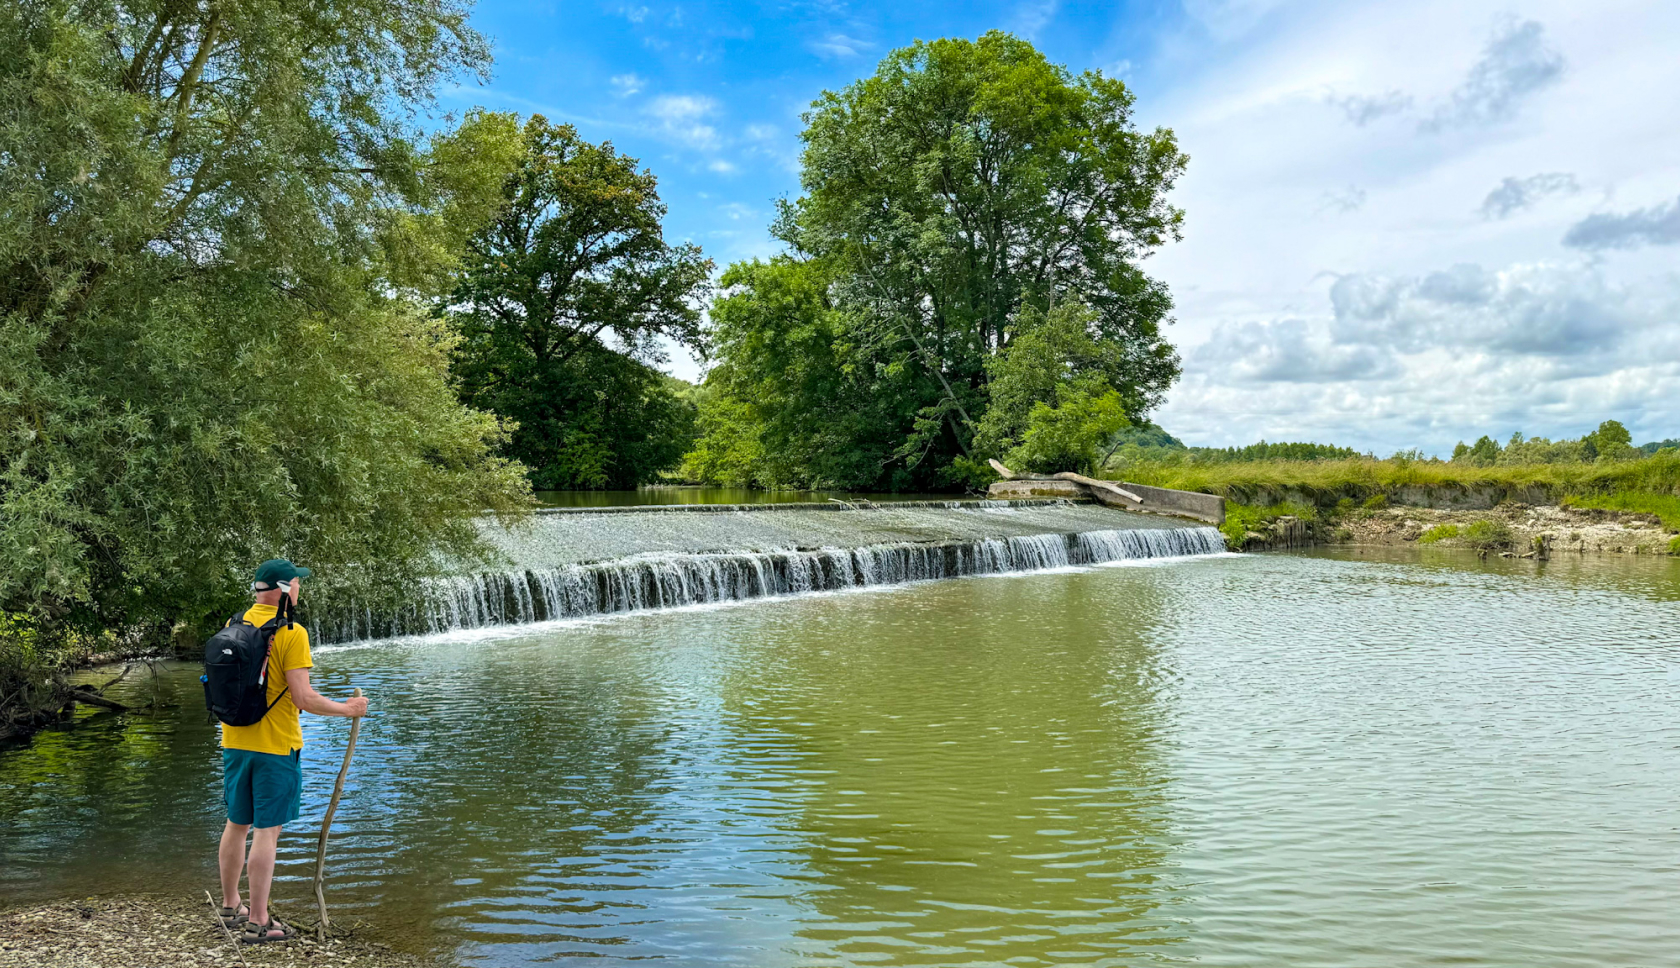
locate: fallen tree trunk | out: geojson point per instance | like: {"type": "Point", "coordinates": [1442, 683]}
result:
{"type": "Point", "coordinates": [86, 694]}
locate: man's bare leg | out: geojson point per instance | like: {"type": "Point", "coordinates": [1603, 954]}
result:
{"type": "Point", "coordinates": [259, 870]}
{"type": "Point", "coordinates": [232, 859]}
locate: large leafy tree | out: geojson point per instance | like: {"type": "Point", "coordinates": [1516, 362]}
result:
{"type": "Point", "coordinates": [217, 220]}
{"type": "Point", "coordinates": [563, 299]}
{"type": "Point", "coordinates": [961, 185]}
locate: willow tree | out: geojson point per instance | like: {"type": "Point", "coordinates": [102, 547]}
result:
{"type": "Point", "coordinates": [961, 184]}
{"type": "Point", "coordinates": [217, 220]}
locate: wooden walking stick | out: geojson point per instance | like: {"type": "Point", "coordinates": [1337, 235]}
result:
{"type": "Point", "coordinates": [326, 824]}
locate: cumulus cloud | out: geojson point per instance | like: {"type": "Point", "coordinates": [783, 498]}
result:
{"type": "Point", "coordinates": [1657, 225]}
{"type": "Point", "coordinates": [1362, 109]}
{"type": "Point", "coordinates": [1431, 358]}
{"type": "Point", "coordinates": [1515, 194]}
{"type": "Point", "coordinates": [1515, 64]}
{"type": "Point", "coordinates": [679, 118]}
{"type": "Point", "coordinates": [1537, 310]}
{"type": "Point", "coordinates": [628, 84]}
{"type": "Point", "coordinates": [1290, 351]}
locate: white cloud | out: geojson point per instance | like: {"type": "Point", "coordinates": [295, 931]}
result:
{"type": "Point", "coordinates": [1033, 16]}
{"type": "Point", "coordinates": [838, 45]}
{"type": "Point", "coordinates": [679, 118]}
{"type": "Point", "coordinates": [628, 84]}
{"type": "Point", "coordinates": [1425, 310]}
{"type": "Point", "coordinates": [1515, 64]}
{"type": "Point", "coordinates": [721, 166]}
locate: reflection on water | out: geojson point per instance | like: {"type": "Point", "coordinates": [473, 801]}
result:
{"type": "Point", "coordinates": [1301, 760]}
{"type": "Point", "coordinates": [715, 495]}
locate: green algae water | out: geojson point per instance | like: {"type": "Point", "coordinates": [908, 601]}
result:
{"type": "Point", "coordinates": [1322, 759]}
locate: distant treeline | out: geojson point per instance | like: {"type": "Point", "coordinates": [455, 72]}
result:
{"type": "Point", "coordinates": [1610, 442]}
{"type": "Point", "coordinates": [1147, 442]}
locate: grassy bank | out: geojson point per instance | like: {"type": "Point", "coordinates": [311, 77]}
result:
{"type": "Point", "coordinates": [1327, 482]}
{"type": "Point", "coordinates": [1318, 492]}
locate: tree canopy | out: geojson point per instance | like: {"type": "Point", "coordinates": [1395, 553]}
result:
{"type": "Point", "coordinates": [218, 224]}
{"type": "Point", "coordinates": [963, 186]}
{"type": "Point", "coordinates": [561, 301]}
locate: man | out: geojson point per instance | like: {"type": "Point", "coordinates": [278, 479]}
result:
{"type": "Point", "coordinates": [262, 772]}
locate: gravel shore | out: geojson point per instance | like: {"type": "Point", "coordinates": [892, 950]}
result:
{"type": "Point", "coordinates": [157, 931]}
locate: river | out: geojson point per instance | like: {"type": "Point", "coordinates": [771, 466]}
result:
{"type": "Point", "coordinates": [1331, 758]}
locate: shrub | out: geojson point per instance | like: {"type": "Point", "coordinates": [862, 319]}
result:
{"type": "Point", "coordinates": [1441, 532]}
{"type": "Point", "coordinates": [1487, 535]}
{"type": "Point", "coordinates": [1376, 502]}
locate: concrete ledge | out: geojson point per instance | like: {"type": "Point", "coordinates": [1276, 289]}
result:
{"type": "Point", "coordinates": [1190, 504]}
{"type": "Point", "coordinates": [1156, 500]}
{"type": "Point", "coordinates": [1019, 489]}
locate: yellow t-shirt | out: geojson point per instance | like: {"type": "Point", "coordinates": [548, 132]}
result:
{"type": "Point", "coordinates": [278, 732]}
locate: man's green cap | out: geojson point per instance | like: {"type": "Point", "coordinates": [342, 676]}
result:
{"type": "Point", "coordinates": [274, 571]}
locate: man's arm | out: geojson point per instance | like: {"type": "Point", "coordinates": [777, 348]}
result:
{"type": "Point", "coordinates": [310, 701]}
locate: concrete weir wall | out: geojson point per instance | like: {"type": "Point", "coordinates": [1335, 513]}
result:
{"type": "Point", "coordinates": [1156, 500]}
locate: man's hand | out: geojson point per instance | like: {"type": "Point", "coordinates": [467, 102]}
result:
{"type": "Point", "coordinates": [358, 705]}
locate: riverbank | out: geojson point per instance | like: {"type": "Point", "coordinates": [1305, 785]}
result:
{"type": "Point", "coordinates": [152, 930]}
{"type": "Point", "coordinates": [1513, 528]}
{"type": "Point", "coordinates": [1622, 507]}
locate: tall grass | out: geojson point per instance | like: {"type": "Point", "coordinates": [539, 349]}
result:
{"type": "Point", "coordinates": [1665, 507]}
{"type": "Point", "coordinates": [1327, 482]}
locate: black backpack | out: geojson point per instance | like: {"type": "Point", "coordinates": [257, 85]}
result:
{"type": "Point", "coordinates": [236, 667]}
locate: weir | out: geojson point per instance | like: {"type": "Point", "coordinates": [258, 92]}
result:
{"type": "Point", "coordinates": [584, 562]}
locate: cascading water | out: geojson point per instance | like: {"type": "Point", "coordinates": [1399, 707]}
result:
{"type": "Point", "coordinates": [920, 544]}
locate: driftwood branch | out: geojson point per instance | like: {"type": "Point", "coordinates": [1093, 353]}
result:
{"type": "Point", "coordinates": [326, 824]}
{"type": "Point", "coordinates": [124, 675]}
{"type": "Point", "coordinates": [221, 924]}
{"type": "Point", "coordinates": [1097, 485]}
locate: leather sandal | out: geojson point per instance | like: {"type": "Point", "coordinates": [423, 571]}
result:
{"type": "Point", "coordinates": [255, 933]}
{"type": "Point", "coordinates": [233, 917]}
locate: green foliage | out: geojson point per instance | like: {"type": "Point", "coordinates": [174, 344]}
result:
{"type": "Point", "coordinates": [1053, 406]}
{"type": "Point", "coordinates": [1275, 451]}
{"type": "Point", "coordinates": [1674, 545]}
{"type": "Point", "coordinates": [1656, 445]}
{"type": "Point", "coordinates": [789, 403]}
{"type": "Point", "coordinates": [1483, 453]}
{"type": "Point", "coordinates": [1666, 507]}
{"type": "Point", "coordinates": [218, 220]}
{"type": "Point", "coordinates": [1067, 436]}
{"type": "Point", "coordinates": [962, 188]}
{"type": "Point", "coordinates": [1440, 532]}
{"type": "Point", "coordinates": [1242, 519]}
{"type": "Point", "coordinates": [576, 255]}
{"type": "Point", "coordinates": [727, 450]}
{"type": "Point", "coordinates": [1487, 535]}
{"type": "Point", "coordinates": [1376, 502]}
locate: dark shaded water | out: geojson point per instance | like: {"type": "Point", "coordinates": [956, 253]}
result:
{"type": "Point", "coordinates": [1295, 760]}
{"type": "Point", "coordinates": [715, 495]}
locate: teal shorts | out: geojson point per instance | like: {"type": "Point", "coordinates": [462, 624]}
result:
{"type": "Point", "coordinates": [262, 789]}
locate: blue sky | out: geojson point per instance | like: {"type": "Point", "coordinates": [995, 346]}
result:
{"type": "Point", "coordinates": [1407, 223]}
